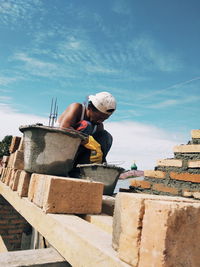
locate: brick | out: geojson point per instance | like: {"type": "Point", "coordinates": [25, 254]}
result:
{"type": "Point", "coordinates": [15, 181]}
{"type": "Point", "coordinates": [187, 149]}
{"type": "Point", "coordinates": [32, 187]}
{"type": "Point", "coordinates": [140, 183]}
{"type": "Point", "coordinates": [154, 174]}
{"type": "Point", "coordinates": [165, 189]}
{"type": "Point", "coordinates": [185, 176]}
{"type": "Point", "coordinates": [8, 176]}
{"type": "Point", "coordinates": [127, 222]}
{"type": "Point", "coordinates": [12, 175]}
{"type": "Point", "coordinates": [194, 163]}
{"type": "Point", "coordinates": [14, 144]}
{"type": "Point", "coordinates": [66, 195]}
{"type": "Point", "coordinates": [23, 184]}
{"type": "Point", "coordinates": [196, 195]}
{"type": "Point", "coordinates": [21, 145]}
{"type": "Point", "coordinates": [10, 161]}
{"type": "Point", "coordinates": [168, 240]}
{"type": "Point", "coordinates": [5, 159]}
{"type": "Point", "coordinates": [18, 160]}
{"type": "Point", "coordinates": [187, 193]}
{"type": "Point", "coordinates": [170, 162]}
{"type": "Point", "coordinates": [195, 133]}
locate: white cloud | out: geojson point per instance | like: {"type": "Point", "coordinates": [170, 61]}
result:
{"type": "Point", "coordinates": [10, 120]}
{"type": "Point", "coordinates": [143, 143]}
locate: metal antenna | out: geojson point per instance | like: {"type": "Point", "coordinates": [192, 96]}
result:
{"type": "Point", "coordinates": [53, 112]}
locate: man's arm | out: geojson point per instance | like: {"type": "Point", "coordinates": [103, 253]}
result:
{"type": "Point", "coordinates": [70, 116]}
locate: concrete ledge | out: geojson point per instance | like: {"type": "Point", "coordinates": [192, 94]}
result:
{"type": "Point", "coordinates": [79, 242]}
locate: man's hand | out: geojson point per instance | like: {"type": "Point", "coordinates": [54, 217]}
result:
{"type": "Point", "coordinates": [96, 153]}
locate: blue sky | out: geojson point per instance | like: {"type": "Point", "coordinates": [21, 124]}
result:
{"type": "Point", "coordinates": [146, 53]}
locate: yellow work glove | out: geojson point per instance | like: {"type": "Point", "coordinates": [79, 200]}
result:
{"type": "Point", "coordinates": [96, 153]}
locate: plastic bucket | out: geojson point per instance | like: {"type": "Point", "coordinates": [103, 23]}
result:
{"type": "Point", "coordinates": [49, 150]}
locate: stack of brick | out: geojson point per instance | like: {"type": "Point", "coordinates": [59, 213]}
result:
{"type": "Point", "coordinates": [53, 194]}
{"type": "Point", "coordinates": [178, 176]}
{"type": "Point", "coordinates": [12, 173]}
{"type": "Point", "coordinates": [151, 230]}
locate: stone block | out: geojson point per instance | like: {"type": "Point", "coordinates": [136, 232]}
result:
{"type": "Point", "coordinates": [66, 195]}
{"type": "Point", "coordinates": [23, 184]}
{"type": "Point", "coordinates": [170, 234]}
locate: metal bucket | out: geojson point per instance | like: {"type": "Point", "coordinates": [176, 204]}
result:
{"type": "Point", "coordinates": [106, 174]}
{"type": "Point", "coordinates": [49, 150]}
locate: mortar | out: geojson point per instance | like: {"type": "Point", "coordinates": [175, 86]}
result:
{"type": "Point", "coordinates": [106, 174]}
{"type": "Point", "coordinates": [49, 150]}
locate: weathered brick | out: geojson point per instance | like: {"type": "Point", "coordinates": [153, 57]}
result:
{"type": "Point", "coordinates": [194, 163]}
{"type": "Point", "coordinates": [14, 144]}
{"type": "Point", "coordinates": [18, 160]}
{"type": "Point", "coordinates": [15, 181]}
{"type": "Point", "coordinates": [195, 133]}
{"type": "Point", "coordinates": [127, 222]}
{"type": "Point", "coordinates": [127, 225]}
{"type": "Point", "coordinates": [140, 183]}
{"type": "Point", "coordinates": [185, 176]}
{"type": "Point", "coordinates": [154, 174]}
{"type": "Point", "coordinates": [165, 189]}
{"type": "Point", "coordinates": [170, 162]}
{"type": "Point", "coordinates": [187, 193]}
{"type": "Point", "coordinates": [187, 149]}
{"type": "Point", "coordinates": [168, 240]}
{"type": "Point", "coordinates": [196, 195]}
{"type": "Point", "coordinates": [66, 195]}
{"type": "Point", "coordinates": [23, 184]}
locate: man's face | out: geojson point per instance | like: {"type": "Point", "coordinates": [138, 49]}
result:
{"type": "Point", "coordinates": [97, 116]}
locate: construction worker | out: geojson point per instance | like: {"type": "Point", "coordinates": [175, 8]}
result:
{"type": "Point", "coordinates": [88, 118]}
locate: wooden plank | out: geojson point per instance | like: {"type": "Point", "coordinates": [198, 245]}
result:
{"type": "Point", "coordinates": [78, 241]}
{"type": "Point", "coordinates": [48, 257]}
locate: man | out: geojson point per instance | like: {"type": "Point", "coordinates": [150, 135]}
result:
{"type": "Point", "coordinates": [89, 119]}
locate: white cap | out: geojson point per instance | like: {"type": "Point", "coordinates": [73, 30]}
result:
{"type": "Point", "coordinates": [104, 102]}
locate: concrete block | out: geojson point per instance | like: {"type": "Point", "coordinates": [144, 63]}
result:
{"type": "Point", "coordinates": [170, 234]}
{"type": "Point", "coordinates": [170, 162]}
{"type": "Point", "coordinates": [23, 184]}
{"type": "Point", "coordinates": [154, 174]}
{"type": "Point", "coordinates": [66, 195]}
{"type": "Point", "coordinates": [187, 149]}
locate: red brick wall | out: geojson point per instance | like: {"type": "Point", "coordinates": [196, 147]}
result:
{"type": "Point", "coordinates": [12, 225]}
